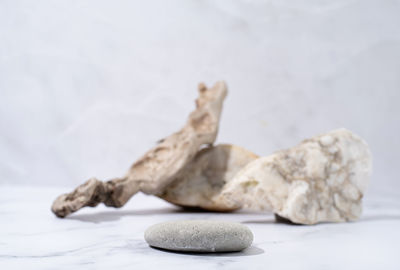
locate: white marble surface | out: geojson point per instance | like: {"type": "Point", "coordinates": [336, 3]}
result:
{"type": "Point", "coordinates": [103, 238]}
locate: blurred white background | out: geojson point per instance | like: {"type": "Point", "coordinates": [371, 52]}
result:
{"type": "Point", "coordinates": [86, 87]}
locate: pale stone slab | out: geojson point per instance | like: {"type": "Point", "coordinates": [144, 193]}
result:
{"type": "Point", "coordinates": [323, 179]}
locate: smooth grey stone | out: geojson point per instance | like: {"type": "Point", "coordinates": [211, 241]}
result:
{"type": "Point", "coordinates": [199, 236]}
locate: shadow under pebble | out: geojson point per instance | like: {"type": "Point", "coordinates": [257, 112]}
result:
{"type": "Point", "coordinates": [250, 251]}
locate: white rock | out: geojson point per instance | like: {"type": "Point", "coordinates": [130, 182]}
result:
{"type": "Point", "coordinates": [199, 236]}
{"type": "Point", "coordinates": [323, 179]}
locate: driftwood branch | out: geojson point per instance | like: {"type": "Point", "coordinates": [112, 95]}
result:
{"type": "Point", "coordinates": [160, 165]}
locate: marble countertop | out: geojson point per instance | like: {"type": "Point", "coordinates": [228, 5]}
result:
{"type": "Point", "coordinates": [31, 237]}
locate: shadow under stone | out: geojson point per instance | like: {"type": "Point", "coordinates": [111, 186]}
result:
{"type": "Point", "coordinates": [250, 251]}
{"type": "Point", "coordinates": [277, 220]}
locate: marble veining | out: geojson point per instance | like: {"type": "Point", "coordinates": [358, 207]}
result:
{"type": "Point", "coordinates": [99, 238]}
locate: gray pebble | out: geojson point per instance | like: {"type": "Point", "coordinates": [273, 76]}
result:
{"type": "Point", "coordinates": [199, 236]}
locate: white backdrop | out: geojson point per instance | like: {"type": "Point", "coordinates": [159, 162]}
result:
{"type": "Point", "coordinates": [86, 87]}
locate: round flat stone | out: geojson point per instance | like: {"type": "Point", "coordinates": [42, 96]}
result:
{"type": "Point", "coordinates": [199, 236]}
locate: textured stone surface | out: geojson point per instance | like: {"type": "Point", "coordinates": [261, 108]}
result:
{"type": "Point", "coordinates": [323, 179]}
{"type": "Point", "coordinates": [199, 236]}
{"type": "Point", "coordinates": [201, 181]}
